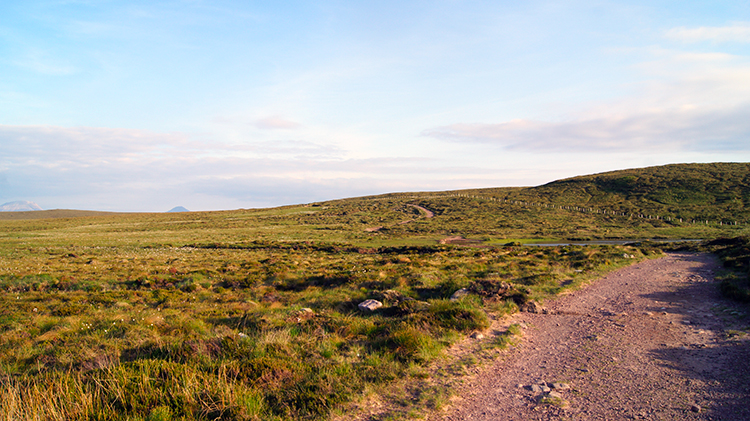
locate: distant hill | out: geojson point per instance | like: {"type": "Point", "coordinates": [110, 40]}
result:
{"type": "Point", "coordinates": [700, 191]}
{"type": "Point", "coordinates": [671, 201]}
{"type": "Point", "coordinates": [20, 206]}
{"type": "Point", "coordinates": [178, 209]}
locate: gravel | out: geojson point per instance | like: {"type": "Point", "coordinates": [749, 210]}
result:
{"type": "Point", "coordinates": [650, 341]}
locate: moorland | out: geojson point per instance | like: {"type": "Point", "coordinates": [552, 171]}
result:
{"type": "Point", "coordinates": [253, 314]}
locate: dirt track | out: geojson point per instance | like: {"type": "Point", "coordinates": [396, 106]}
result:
{"type": "Point", "coordinates": [651, 341]}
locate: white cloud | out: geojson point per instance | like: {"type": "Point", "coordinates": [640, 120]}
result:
{"type": "Point", "coordinates": [676, 130]}
{"type": "Point", "coordinates": [39, 61]}
{"type": "Point", "coordinates": [687, 102]}
{"type": "Point", "coordinates": [137, 170]}
{"type": "Point", "coordinates": [276, 122]}
{"type": "Point", "coordinates": [738, 32]}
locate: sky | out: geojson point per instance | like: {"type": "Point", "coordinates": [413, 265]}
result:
{"type": "Point", "coordinates": [146, 105]}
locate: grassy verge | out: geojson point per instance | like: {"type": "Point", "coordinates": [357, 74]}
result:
{"type": "Point", "coordinates": [735, 256]}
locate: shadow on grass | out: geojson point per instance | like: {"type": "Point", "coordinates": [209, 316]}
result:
{"type": "Point", "coordinates": [718, 369]}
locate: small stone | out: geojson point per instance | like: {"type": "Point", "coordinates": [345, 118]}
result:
{"type": "Point", "coordinates": [695, 408]}
{"type": "Point", "coordinates": [477, 335]}
{"type": "Point", "coordinates": [546, 389]}
{"type": "Point", "coordinates": [519, 385]}
{"type": "Point", "coordinates": [532, 307]}
{"type": "Point", "coordinates": [554, 395]}
{"type": "Point", "coordinates": [535, 388]}
{"type": "Point", "coordinates": [461, 293]}
{"type": "Point", "coordinates": [368, 306]}
{"type": "Point", "coordinates": [560, 386]}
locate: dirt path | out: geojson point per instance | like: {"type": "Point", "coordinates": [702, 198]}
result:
{"type": "Point", "coordinates": [651, 341]}
{"type": "Point", "coordinates": [427, 213]}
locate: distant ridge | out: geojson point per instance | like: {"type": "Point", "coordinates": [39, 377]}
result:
{"type": "Point", "coordinates": [20, 206]}
{"type": "Point", "coordinates": [178, 209]}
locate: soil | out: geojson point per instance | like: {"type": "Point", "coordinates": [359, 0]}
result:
{"type": "Point", "coordinates": [651, 341]}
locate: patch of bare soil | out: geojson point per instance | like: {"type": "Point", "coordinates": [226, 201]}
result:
{"type": "Point", "coordinates": [459, 240]}
{"type": "Point", "coordinates": [651, 341]}
{"type": "Point", "coordinates": [427, 213]}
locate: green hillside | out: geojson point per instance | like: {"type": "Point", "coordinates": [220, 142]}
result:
{"type": "Point", "coordinates": [672, 201]}
{"type": "Point", "coordinates": [714, 192]}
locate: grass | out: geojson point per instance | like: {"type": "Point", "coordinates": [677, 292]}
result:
{"type": "Point", "coordinates": [217, 329]}
{"type": "Point", "coordinates": [252, 314]}
{"type": "Point", "coordinates": [735, 256]}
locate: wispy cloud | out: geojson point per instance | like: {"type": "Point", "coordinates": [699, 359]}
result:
{"type": "Point", "coordinates": [687, 102]}
{"type": "Point", "coordinates": [275, 123]}
{"type": "Point", "coordinates": [738, 32]}
{"type": "Point", "coordinates": [119, 169]}
{"type": "Point", "coordinates": [675, 130]}
{"type": "Point", "coordinates": [39, 61]}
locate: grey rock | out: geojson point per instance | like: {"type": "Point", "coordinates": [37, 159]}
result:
{"type": "Point", "coordinates": [695, 408]}
{"type": "Point", "coordinates": [368, 306]}
{"type": "Point", "coordinates": [535, 388]}
{"type": "Point", "coordinates": [554, 395]}
{"type": "Point", "coordinates": [461, 293]}
{"type": "Point", "coordinates": [560, 386]}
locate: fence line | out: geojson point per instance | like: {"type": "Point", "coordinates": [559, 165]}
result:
{"type": "Point", "coordinates": [581, 209]}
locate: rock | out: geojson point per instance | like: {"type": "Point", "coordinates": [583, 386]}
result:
{"type": "Point", "coordinates": [368, 306]}
{"type": "Point", "coordinates": [304, 314]}
{"type": "Point", "coordinates": [393, 296]}
{"type": "Point", "coordinates": [695, 408]}
{"type": "Point", "coordinates": [477, 335]}
{"type": "Point", "coordinates": [410, 306]}
{"type": "Point", "coordinates": [554, 395]}
{"type": "Point", "coordinates": [461, 293]}
{"type": "Point", "coordinates": [532, 307]}
{"type": "Point", "coordinates": [546, 389]}
{"type": "Point", "coordinates": [560, 386]}
{"type": "Point", "coordinates": [242, 335]}
{"type": "Point", "coordinates": [535, 388]}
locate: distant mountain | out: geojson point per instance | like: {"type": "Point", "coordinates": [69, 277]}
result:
{"type": "Point", "coordinates": [178, 209]}
{"type": "Point", "coordinates": [20, 206]}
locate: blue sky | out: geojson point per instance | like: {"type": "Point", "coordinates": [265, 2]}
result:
{"type": "Point", "coordinates": [143, 106]}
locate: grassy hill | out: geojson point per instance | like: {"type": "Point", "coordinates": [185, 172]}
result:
{"type": "Point", "coordinates": [673, 201]}
{"type": "Point", "coordinates": [714, 192]}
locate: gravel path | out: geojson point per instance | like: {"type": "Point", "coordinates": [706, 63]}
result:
{"type": "Point", "coordinates": [651, 341]}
